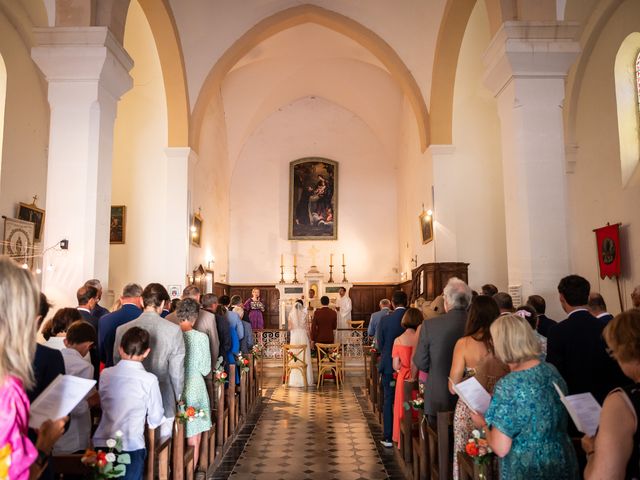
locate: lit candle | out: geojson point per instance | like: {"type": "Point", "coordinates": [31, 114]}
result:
{"type": "Point", "coordinates": [331, 259]}
{"type": "Point", "coordinates": [295, 260]}
{"type": "Point", "coordinates": [282, 259]}
{"type": "Point", "coordinates": [343, 259]}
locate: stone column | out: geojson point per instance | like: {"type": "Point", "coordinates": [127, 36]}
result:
{"type": "Point", "coordinates": [445, 201]}
{"type": "Point", "coordinates": [87, 73]}
{"type": "Point", "coordinates": [526, 66]}
{"type": "Point", "coordinates": [181, 162]}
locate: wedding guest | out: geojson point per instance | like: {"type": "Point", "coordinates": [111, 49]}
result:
{"type": "Point", "coordinates": [489, 289]}
{"type": "Point", "coordinates": [234, 348]}
{"type": "Point", "coordinates": [389, 329]}
{"type": "Point", "coordinates": [87, 299]}
{"type": "Point", "coordinates": [401, 354]}
{"type": "Point", "coordinates": [80, 338]}
{"type": "Point", "coordinates": [598, 308]}
{"type": "Point", "coordinates": [526, 423]}
{"type": "Point", "coordinates": [545, 324]}
{"type": "Point", "coordinates": [531, 316]}
{"type": "Point", "coordinates": [469, 352]}
{"type": "Point", "coordinates": [575, 345]}
{"type": "Point", "coordinates": [635, 297]}
{"type": "Point", "coordinates": [246, 343]}
{"type": "Point", "coordinates": [55, 329]}
{"type": "Point", "coordinates": [166, 360]}
{"type": "Point", "coordinates": [18, 311]}
{"type": "Point", "coordinates": [197, 364]}
{"type": "Point", "coordinates": [434, 352]}
{"type": "Point", "coordinates": [130, 396]}
{"type": "Point", "coordinates": [255, 309]}
{"type": "Point", "coordinates": [210, 304]}
{"type": "Point", "coordinates": [385, 309]}
{"type": "Point", "coordinates": [130, 309]}
{"type": "Point", "coordinates": [433, 310]}
{"type": "Point", "coordinates": [232, 317]}
{"type": "Point", "coordinates": [505, 303]}
{"type": "Point", "coordinates": [614, 453]}
{"type": "Point", "coordinates": [98, 310]}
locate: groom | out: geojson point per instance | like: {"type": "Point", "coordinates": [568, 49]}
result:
{"type": "Point", "coordinates": [325, 321]}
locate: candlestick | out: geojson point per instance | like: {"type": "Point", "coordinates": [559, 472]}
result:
{"type": "Point", "coordinates": [344, 273]}
{"type": "Point", "coordinates": [281, 273]}
{"type": "Point", "coordinates": [295, 260]}
{"type": "Point", "coordinates": [343, 259]}
{"type": "Point", "coordinates": [282, 260]}
{"type": "Point", "coordinates": [295, 273]}
{"type": "Point", "coordinates": [331, 272]}
{"type": "Point", "coordinates": [330, 258]}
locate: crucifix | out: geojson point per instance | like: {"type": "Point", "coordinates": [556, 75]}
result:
{"type": "Point", "coordinates": [35, 197]}
{"type": "Point", "coordinates": [313, 251]}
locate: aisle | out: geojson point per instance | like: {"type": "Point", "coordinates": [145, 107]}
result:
{"type": "Point", "coordinates": [311, 435]}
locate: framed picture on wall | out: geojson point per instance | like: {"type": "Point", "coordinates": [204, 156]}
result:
{"type": "Point", "coordinates": [117, 225]}
{"type": "Point", "coordinates": [196, 230]}
{"type": "Point", "coordinates": [35, 215]}
{"type": "Point", "coordinates": [313, 199]}
{"type": "Point", "coordinates": [18, 240]}
{"type": "Point", "coordinates": [426, 227]}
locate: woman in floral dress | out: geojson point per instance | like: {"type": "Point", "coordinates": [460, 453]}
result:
{"type": "Point", "coordinates": [197, 364]}
{"type": "Point", "coordinates": [255, 308]}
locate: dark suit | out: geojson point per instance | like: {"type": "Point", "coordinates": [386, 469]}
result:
{"type": "Point", "coordinates": [605, 318]}
{"type": "Point", "coordinates": [47, 365]}
{"type": "Point", "coordinates": [389, 329]}
{"type": "Point", "coordinates": [99, 311]}
{"type": "Point", "coordinates": [224, 336]}
{"type": "Point", "coordinates": [434, 354]}
{"type": "Point", "coordinates": [107, 330]}
{"type": "Point", "coordinates": [545, 324]}
{"type": "Point", "coordinates": [325, 321]}
{"type": "Point", "coordinates": [577, 349]}
{"type": "Point", "coordinates": [94, 353]}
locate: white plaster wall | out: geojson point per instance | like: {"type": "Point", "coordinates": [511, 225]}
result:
{"type": "Point", "coordinates": [259, 205]}
{"type": "Point", "coordinates": [23, 167]}
{"type": "Point", "coordinates": [480, 217]}
{"type": "Point", "coordinates": [140, 164]}
{"type": "Point", "coordinates": [595, 193]}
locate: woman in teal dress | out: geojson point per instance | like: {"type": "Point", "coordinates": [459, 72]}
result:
{"type": "Point", "coordinates": [197, 364]}
{"type": "Point", "coordinates": [526, 424]}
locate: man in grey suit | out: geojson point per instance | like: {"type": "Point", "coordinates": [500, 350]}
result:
{"type": "Point", "coordinates": [435, 348]}
{"type": "Point", "coordinates": [166, 360]}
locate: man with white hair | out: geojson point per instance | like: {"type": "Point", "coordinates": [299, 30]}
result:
{"type": "Point", "coordinates": [434, 352]}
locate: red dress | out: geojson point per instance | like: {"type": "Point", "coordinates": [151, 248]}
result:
{"type": "Point", "coordinates": [404, 352]}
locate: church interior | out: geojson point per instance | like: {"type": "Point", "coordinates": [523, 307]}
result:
{"type": "Point", "coordinates": [294, 146]}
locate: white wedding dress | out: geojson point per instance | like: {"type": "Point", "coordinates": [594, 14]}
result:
{"type": "Point", "coordinates": [299, 336]}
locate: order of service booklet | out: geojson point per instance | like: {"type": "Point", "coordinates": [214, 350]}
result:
{"type": "Point", "coordinates": [58, 399]}
{"type": "Point", "coordinates": [473, 395]}
{"type": "Point", "coordinates": [584, 410]}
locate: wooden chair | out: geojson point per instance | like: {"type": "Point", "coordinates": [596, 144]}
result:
{"type": "Point", "coordinates": [157, 463]}
{"type": "Point", "coordinates": [182, 454]}
{"type": "Point", "coordinates": [299, 364]}
{"type": "Point", "coordinates": [327, 364]}
{"type": "Point", "coordinates": [407, 424]}
{"type": "Point", "coordinates": [440, 443]}
{"type": "Point", "coordinates": [356, 323]}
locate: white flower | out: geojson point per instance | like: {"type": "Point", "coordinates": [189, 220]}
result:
{"type": "Point", "coordinates": [476, 434]}
{"type": "Point", "coordinates": [111, 457]}
{"type": "Point", "coordinates": [111, 443]}
{"type": "Point", "coordinates": [119, 433]}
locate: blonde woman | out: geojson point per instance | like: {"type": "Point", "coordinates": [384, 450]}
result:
{"type": "Point", "coordinates": [255, 309]}
{"type": "Point", "coordinates": [19, 297]}
{"type": "Point", "coordinates": [526, 424]}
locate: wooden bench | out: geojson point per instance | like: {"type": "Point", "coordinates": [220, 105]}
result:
{"type": "Point", "coordinates": [408, 427]}
{"type": "Point", "coordinates": [182, 466]}
{"type": "Point", "coordinates": [420, 452]}
{"type": "Point", "coordinates": [157, 463]}
{"type": "Point", "coordinates": [470, 470]}
{"type": "Point", "coordinates": [440, 447]}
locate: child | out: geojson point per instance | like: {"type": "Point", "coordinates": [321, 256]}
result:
{"type": "Point", "coordinates": [81, 336]}
{"type": "Point", "coordinates": [129, 394]}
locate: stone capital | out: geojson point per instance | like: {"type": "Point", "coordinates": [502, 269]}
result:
{"type": "Point", "coordinates": [87, 55]}
{"type": "Point", "coordinates": [530, 50]}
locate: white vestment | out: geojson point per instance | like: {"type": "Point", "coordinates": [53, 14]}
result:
{"type": "Point", "coordinates": [344, 315]}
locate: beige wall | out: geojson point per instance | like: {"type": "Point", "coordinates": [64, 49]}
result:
{"type": "Point", "coordinates": [596, 195]}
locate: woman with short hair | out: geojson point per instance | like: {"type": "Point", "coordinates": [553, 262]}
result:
{"type": "Point", "coordinates": [614, 453]}
{"type": "Point", "coordinates": [526, 423]}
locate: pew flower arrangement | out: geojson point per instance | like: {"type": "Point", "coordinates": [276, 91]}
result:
{"type": "Point", "coordinates": [417, 404]}
{"type": "Point", "coordinates": [478, 449]}
{"type": "Point", "coordinates": [292, 357]}
{"type": "Point", "coordinates": [374, 347]}
{"type": "Point", "coordinates": [107, 464]}
{"type": "Point", "coordinates": [258, 350]}
{"type": "Point", "coordinates": [334, 355]}
{"type": "Point", "coordinates": [219, 375]}
{"type": "Point", "coordinates": [189, 414]}
{"type": "Point", "coordinates": [242, 363]}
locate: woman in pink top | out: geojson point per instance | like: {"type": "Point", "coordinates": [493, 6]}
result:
{"type": "Point", "coordinates": [19, 297]}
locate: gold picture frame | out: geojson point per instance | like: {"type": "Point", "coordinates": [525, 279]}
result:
{"type": "Point", "coordinates": [18, 240]}
{"type": "Point", "coordinates": [196, 230]}
{"type": "Point", "coordinates": [426, 227]}
{"type": "Point", "coordinates": [118, 224]}
{"type": "Point", "coordinates": [35, 215]}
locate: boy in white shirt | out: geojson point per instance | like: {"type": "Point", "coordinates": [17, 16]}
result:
{"type": "Point", "coordinates": [128, 395]}
{"type": "Point", "coordinates": [81, 336]}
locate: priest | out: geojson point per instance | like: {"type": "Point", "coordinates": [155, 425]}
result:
{"type": "Point", "coordinates": [343, 306]}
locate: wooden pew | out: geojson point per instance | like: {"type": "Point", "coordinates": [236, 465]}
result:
{"type": "Point", "coordinates": [68, 465]}
{"type": "Point", "coordinates": [420, 452]}
{"type": "Point", "coordinates": [407, 424]}
{"type": "Point", "coordinates": [220, 418]}
{"type": "Point", "coordinates": [208, 440]}
{"type": "Point", "coordinates": [182, 466]}
{"type": "Point", "coordinates": [243, 395]}
{"type": "Point", "coordinates": [469, 470]}
{"type": "Point", "coordinates": [440, 442]}
{"type": "Point", "coordinates": [374, 388]}
{"type": "Point", "coordinates": [157, 463]}
{"type": "Point", "coordinates": [231, 397]}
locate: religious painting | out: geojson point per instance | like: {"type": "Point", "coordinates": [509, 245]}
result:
{"type": "Point", "coordinates": [117, 225]}
{"type": "Point", "coordinates": [196, 230]}
{"type": "Point", "coordinates": [35, 215]}
{"type": "Point", "coordinates": [313, 199]}
{"type": "Point", "coordinates": [426, 227]}
{"type": "Point", "coordinates": [18, 240]}
{"type": "Point", "coordinates": [174, 291]}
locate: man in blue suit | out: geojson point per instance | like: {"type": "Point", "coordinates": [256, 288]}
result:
{"type": "Point", "coordinates": [389, 329]}
{"type": "Point", "coordinates": [131, 301]}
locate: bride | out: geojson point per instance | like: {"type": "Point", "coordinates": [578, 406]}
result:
{"type": "Point", "coordinates": [299, 336]}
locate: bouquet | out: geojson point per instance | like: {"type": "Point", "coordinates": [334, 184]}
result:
{"type": "Point", "coordinates": [334, 355]}
{"type": "Point", "coordinates": [292, 357]}
{"type": "Point", "coordinates": [219, 375]}
{"type": "Point", "coordinates": [478, 449]}
{"type": "Point", "coordinates": [417, 404]}
{"type": "Point", "coordinates": [258, 350]}
{"type": "Point", "coordinates": [109, 464]}
{"type": "Point", "coordinates": [189, 414]}
{"type": "Point", "coordinates": [374, 347]}
{"type": "Point", "coordinates": [242, 363]}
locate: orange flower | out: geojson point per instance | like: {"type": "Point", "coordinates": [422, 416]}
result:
{"type": "Point", "coordinates": [191, 412]}
{"type": "Point", "coordinates": [472, 449]}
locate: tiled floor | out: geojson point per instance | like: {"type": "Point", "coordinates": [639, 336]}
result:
{"type": "Point", "coordinates": [311, 434]}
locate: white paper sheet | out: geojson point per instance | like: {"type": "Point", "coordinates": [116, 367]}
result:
{"type": "Point", "coordinates": [584, 410]}
{"type": "Point", "coordinates": [473, 395]}
{"type": "Point", "coordinates": [59, 398]}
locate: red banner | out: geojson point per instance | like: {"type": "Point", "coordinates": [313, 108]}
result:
{"type": "Point", "coordinates": [608, 239]}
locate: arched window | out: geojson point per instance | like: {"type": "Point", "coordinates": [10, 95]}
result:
{"type": "Point", "coordinates": [627, 81]}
